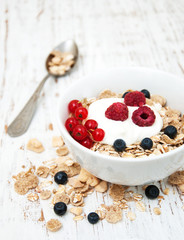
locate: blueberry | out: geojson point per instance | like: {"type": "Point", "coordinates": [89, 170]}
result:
{"type": "Point", "coordinates": [152, 192]}
{"type": "Point", "coordinates": [60, 208]}
{"type": "Point", "coordinates": [124, 94]}
{"type": "Point", "coordinates": [146, 143]}
{"type": "Point", "coordinates": [93, 217]}
{"type": "Point", "coordinates": [146, 93]}
{"type": "Point", "coordinates": [170, 131]}
{"type": "Point", "coordinates": [61, 178]}
{"type": "Point", "coordinates": [119, 145]}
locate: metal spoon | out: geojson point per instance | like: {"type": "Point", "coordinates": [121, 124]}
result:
{"type": "Point", "coordinates": [23, 120]}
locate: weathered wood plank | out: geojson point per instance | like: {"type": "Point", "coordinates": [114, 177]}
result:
{"type": "Point", "coordinates": [109, 34]}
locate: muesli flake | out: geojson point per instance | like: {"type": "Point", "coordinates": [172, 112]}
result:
{"type": "Point", "coordinates": [45, 194]}
{"type": "Point", "coordinates": [53, 225]}
{"type": "Point", "coordinates": [35, 146]}
{"type": "Point", "coordinates": [113, 214]}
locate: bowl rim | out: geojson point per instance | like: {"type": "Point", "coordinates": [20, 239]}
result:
{"type": "Point", "coordinates": [104, 156]}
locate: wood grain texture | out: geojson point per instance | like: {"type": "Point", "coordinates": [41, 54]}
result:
{"type": "Point", "coordinates": [109, 33]}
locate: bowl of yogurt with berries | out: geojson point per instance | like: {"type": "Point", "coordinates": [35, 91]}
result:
{"type": "Point", "coordinates": [125, 125]}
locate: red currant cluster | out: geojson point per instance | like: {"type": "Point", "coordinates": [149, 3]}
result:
{"type": "Point", "coordinates": [85, 133]}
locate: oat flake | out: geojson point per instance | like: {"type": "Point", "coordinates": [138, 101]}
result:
{"type": "Point", "coordinates": [53, 225]}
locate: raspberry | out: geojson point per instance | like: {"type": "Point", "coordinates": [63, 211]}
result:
{"type": "Point", "coordinates": [134, 99]}
{"type": "Point", "coordinates": [143, 117]}
{"type": "Point", "coordinates": [117, 111]}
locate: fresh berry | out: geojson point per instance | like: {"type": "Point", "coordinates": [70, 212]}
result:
{"type": "Point", "coordinates": [146, 143]}
{"type": "Point", "coordinates": [135, 98]}
{"type": "Point", "coordinates": [170, 131]}
{"type": "Point", "coordinates": [60, 208]}
{"type": "Point", "coordinates": [143, 116]}
{"type": "Point", "coordinates": [117, 111]}
{"type": "Point", "coordinates": [124, 94]}
{"type": "Point", "coordinates": [81, 113]}
{"type": "Point", "coordinates": [91, 124]}
{"type": "Point", "coordinates": [79, 132]}
{"type": "Point", "coordinates": [61, 177]}
{"type": "Point", "coordinates": [119, 145]}
{"type": "Point", "coordinates": [98, 134]}
{"type": "Point", "coordinates": [93, 217]}
{"type": "Point", "coordinates": [87, 142]}
{"type": "Point", "coordinates": [71, 123]}
{"type": "Point", "coordinates": [152, 192]}
{"type": "Point", "coordinates": [146, 93]}
{"type": "Point", "coordinates": [73, 105]}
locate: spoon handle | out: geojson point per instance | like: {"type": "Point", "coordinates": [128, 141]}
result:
{"type": "Point", "coordinates": [21, 123]}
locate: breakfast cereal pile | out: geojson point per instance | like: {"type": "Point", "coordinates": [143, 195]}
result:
{"type": "Point", "coordinates": [87, 133]}
{"type": "Point", "coordinates": [59, 63]}
{"type": "Point", "coordinates": [75, 184]}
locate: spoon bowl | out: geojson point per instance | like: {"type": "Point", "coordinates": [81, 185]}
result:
{"type": "Point", "coordinates": [69, 46]}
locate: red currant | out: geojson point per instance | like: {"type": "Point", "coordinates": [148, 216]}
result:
{"type": "Point", "coordinates": [81, 113]}
{"type": "Point", "coordinates": [87, 142]}
{"type": "Point", "coordinates": [71, 123]}
{"type": "Point", "coordinates": [73, 105]}
{"type": "Point", "coordinates": [79, 132]}
{"type": "Point", "coordinates": [98, 134]}
{"type": "Point", "coordinates": [91, 124]}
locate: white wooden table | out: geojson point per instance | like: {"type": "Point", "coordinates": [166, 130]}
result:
{"type": "Point", "coordinates": [109, 33]}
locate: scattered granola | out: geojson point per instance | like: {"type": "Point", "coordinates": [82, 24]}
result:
{"type": "Point", "coordinates": [157, 211]}
{"type": "Point", "coordinates": [101, 187]}
{"type": "Point", "coordinates": [76, 210]}
{"type": "Point", "coordinates": [60, 197]}
{"type": "Point", "coordinates": [25, 181]}
{"type": "Point", "coordinates": [116, 192]}
{"type": "Point", "coordinates": [76, 199]}
{"type": "Point", "coordinates": [45, 183]}
{"type": "Point", "coordinates": [57, 141]}
{"type": "Point", "coordinates": [78, 218]}
{"type": "Point", "coordinates": [80, 187]}
{"type": "Point", "coordinates": [32, 197]}
{"type": "Point", "coordinates": [131, 216]}
{"type": "Point", "coordinates": [181, 188]}
{"type": "Point", "coordinates": [62, 151]}
{"type": "Point", "coordinates": [166, 191]}
{"type": "Point", "coordinates": [140, 206]}
{"type": "Point", "coordinates": [53, 225]}
{"type": "Point", "coordinates": [51, 127]}
{"type": "Point", "coordinates": [176, 178]}
{"type": "Point", "coordinates": [35, 146]}
{"type": "Point", "coordinates": [60, 164]}
{"type": "Point", "coordinates": [42, 171]}
{"type": "Point", "coordinates": [42, 218]}
{"type": "Point", "coordinates": [74, 182]}
{"type": "Point", "coordinates": [113, 214]}
{"type": "Point", "coordinates": [101, 213]}
{"type": "Point", "coordinates": [45, 194]}
{"type": "Point", "coordinates": [20, 187]}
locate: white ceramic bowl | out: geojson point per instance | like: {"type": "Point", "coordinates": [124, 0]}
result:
{"type": "Point", "coordinates": [126, 171]}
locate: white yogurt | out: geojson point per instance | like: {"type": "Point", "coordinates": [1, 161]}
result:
{"type": "Point", "coordinates": [126, 130]}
